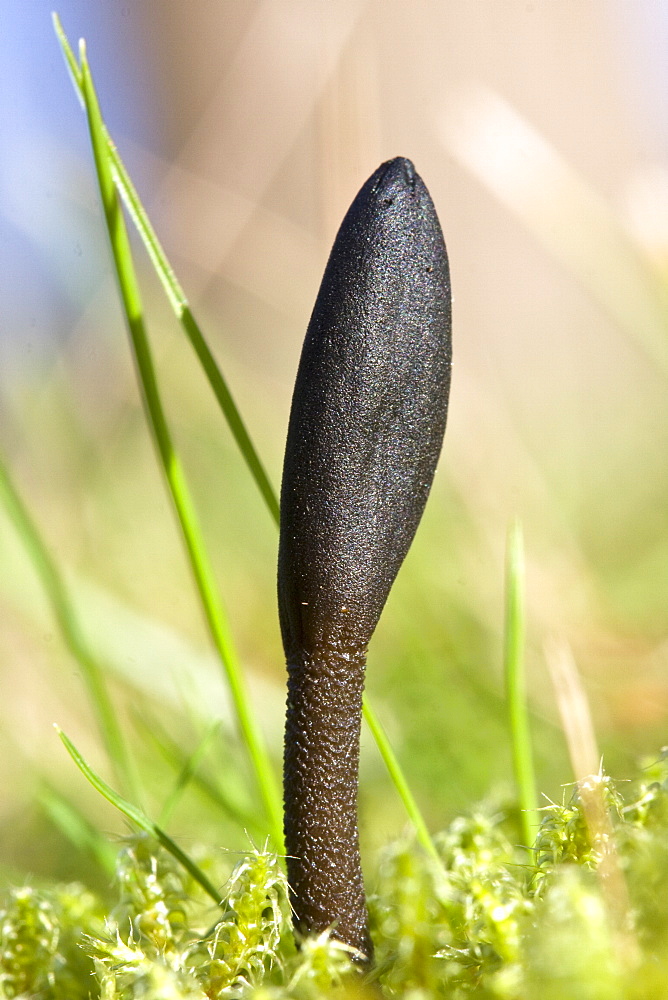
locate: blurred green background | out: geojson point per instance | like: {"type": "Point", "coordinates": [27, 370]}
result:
{"type": "Point", "coordinates": [541, 131]}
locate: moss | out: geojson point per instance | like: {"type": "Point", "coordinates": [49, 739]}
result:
{"type": "Point", "coordinates": [41, 934]}
{"type": "Point", "coordinates": [483, 923]}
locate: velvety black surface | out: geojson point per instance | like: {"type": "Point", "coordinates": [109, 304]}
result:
{"type": "Point", "coordinates": [366, 426]}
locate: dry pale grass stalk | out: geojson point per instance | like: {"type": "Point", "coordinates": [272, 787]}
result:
{"type": "Point", "coordinates": [575, 715]}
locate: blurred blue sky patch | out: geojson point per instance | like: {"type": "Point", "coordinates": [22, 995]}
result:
{"type": "Point", "coordinates": [51, 246]}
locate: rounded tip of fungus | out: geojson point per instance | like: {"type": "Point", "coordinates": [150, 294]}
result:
{"type": "Point", "coordinates": [395, 176]}
{"type": "Point", "coordinates": [368, 412]}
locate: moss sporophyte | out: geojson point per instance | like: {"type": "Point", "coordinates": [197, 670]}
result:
{"type": "Point", "coordinates": [366, 428]}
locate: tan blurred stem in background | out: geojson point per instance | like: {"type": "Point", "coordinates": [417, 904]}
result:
{"type": "Point", "coordinates": [578, 728]}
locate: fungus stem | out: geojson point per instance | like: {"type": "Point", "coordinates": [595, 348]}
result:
{"type": "Point", "coordinates": [366, 428]}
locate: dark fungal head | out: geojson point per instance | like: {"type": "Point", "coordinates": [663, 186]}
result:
{"type": "Point", "coordinates": [368, 414]}
{"type": "Point", "coordinates": [367, 420]}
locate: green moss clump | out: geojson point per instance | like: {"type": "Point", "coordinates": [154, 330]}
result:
{"type": "Point", "coordinates": [157, 944]}
{"type": "Point", "coordinates": [582, 917]}
{"type": "Point", "coordinates": [446, 927]}
{"type": "Point", "coordinates": [245, 945]}
{"type": "Point", "coordinates": [41, 937]}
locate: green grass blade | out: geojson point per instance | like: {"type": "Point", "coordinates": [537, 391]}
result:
{"type": "Point", "coordinates": [174, 474]}
{"type": "Point", "coordinates": [139, 818]}
{"type": "Point", "coordinates": [179, 302]}
{"type": "Point", "coordinates": [172, 753]}
{"type": "Point", "coordinates": [64, 613]}
{"type": "Point", "coordinates": [174, 291]}
{"type": "Point", "coordinates": [520, 734]}
{"type": "Point", "coordinates": [399, 780]}
{"type": "Point", "coordinates": [187, 773]}
{"type": "Point", "coordinates": [73, 824]}
{"type": "Point", "coordinates": [70, 58]}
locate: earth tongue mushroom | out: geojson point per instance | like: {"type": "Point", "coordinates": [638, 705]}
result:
{"type": "Point", "coordinates": [366, 427]}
